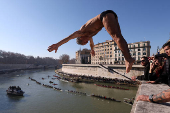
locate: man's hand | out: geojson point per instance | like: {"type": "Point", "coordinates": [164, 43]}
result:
{"type": "Point", "coordinates": [92, 53]}
{"type": "Point", "coordinates": [53, 47]}
{"type": "Point", "coordinates": [143, 98]}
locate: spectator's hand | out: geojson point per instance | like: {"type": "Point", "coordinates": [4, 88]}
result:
{"type": "Point", "coordinates": [151, 65]}
{"type": "Point", "coordinates": [92, 53]}
{"type": "Point", "coordinates": [143, 98]}
{"type": "Point", "coordinates": [53, 47]}
{"type": "Point", "coordinates": [152, 82]}
{"type": "Point", "coordinates": [133, 78]}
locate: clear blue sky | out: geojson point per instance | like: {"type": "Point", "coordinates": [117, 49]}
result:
{"type": "Point", "coordinates": [30, 26]}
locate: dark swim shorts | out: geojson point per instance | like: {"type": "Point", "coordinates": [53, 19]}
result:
{"type": "Point", "coordinates": [106, 12]}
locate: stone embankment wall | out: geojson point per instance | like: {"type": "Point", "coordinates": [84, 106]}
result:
{"type": "Point", "coordinates": [96, 70]}
{"type": "Point", "coordinates": [148, 107]}
{"type": "Point", "coordinates": [14, 67]}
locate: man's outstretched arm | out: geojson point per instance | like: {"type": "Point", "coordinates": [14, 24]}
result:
{"type": "Point", "coordinates": [92, 47]}
{"type": "Point", "coordinates": [65, 40]}
{"type": "Point", "coordinates": [162, 97]}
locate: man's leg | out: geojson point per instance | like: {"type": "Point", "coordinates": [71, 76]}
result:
{"type": "Point", "coordinates": [112, 26]}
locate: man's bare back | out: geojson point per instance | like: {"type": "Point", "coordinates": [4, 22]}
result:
{"type": "Point", "coordinates": [92, 27]}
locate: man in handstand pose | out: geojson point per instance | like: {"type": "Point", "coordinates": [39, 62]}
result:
{"type": "Point", "coordinates": [107, 19]}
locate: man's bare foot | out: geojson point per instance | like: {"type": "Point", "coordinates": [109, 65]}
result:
{"type": "Point", "coordinates": [129, 64]}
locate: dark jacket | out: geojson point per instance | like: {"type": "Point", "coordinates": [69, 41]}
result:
{"type": "Point", "coordinates": [165, 75]}
{"type": "Point", "coordinates": [146, 73]}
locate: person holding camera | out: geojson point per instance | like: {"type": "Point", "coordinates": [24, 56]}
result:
{"type": "Point", "coordinates": [156, 69]}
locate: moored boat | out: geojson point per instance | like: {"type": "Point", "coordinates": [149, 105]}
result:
{"type": "Point", "coordinates": [13, 90]}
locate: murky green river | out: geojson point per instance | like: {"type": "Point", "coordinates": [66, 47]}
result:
{"type": "Point", "coordinates": [40, 99]}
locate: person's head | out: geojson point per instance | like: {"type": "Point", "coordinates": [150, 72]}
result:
{"type": "Point", "coordinates": [144, 61]}
{"type": "Point", "coordinates": [82, 40]}
{"type": "Point", "coordinates": [158, 61]}
{"type": "Point", "coordinates": [166, 48]}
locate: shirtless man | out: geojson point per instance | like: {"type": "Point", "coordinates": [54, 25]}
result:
{"type": "Point", "coordinates": [107, 19]}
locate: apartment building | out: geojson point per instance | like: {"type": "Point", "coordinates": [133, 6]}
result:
{"type": "Point", "coordinates": [83, 57]}
{"type": "Point", "coordinates": [109, 53]}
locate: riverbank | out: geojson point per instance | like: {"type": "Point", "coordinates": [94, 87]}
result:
{"type": "Point", "coordinates": [8, 68]}
{"type": "Point", "coordinates": [91, 79]}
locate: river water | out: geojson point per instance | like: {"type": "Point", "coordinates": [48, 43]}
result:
{"type": "Point", "coordinates": [40, 99]}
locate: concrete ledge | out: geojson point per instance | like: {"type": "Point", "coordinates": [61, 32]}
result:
{"type": "Point", "coordinates": [148, 107]}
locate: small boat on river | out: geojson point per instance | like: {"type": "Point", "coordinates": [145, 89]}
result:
{"type": "Point", "coordinates": [13, 90]}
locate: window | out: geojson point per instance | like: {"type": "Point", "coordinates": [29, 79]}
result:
{"type": "Point", "coordinates": [115, 59]}
{"type": "Point", "coordinates": [144, 49]}
{"type": "Point", "coordinates": [115, 55]}
{"type": "Point", "coordinates": [144, 53]}
{"type": "Point", "coordinates": [110, 55]}
{"type": "Point", "coordinates": [122, 59]}
{"type": "Point", "coordinates": [138, 49]}
{"type": "Point", "coordinates": [138, 45]}
{"type": "Point", "coordinates": [139, 53]}
{"type": "Point", "coordinates": [115, 51]}
{"type": "Point", "coordinates": [119, 51]}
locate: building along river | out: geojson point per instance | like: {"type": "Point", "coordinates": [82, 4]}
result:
{"type": "Point", "coordinates": [40, 99]}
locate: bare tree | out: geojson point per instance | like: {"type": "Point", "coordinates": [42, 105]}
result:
{"type": "Point", "coordinates": [17, 58]}
{"type": "Point", "coordinates": [72, 61]}
{"type": "Point", "coordinates": [64, 58]}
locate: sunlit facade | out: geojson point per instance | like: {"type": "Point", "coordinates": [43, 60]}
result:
{"type": "Point", "coordinates": [109, 53]}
